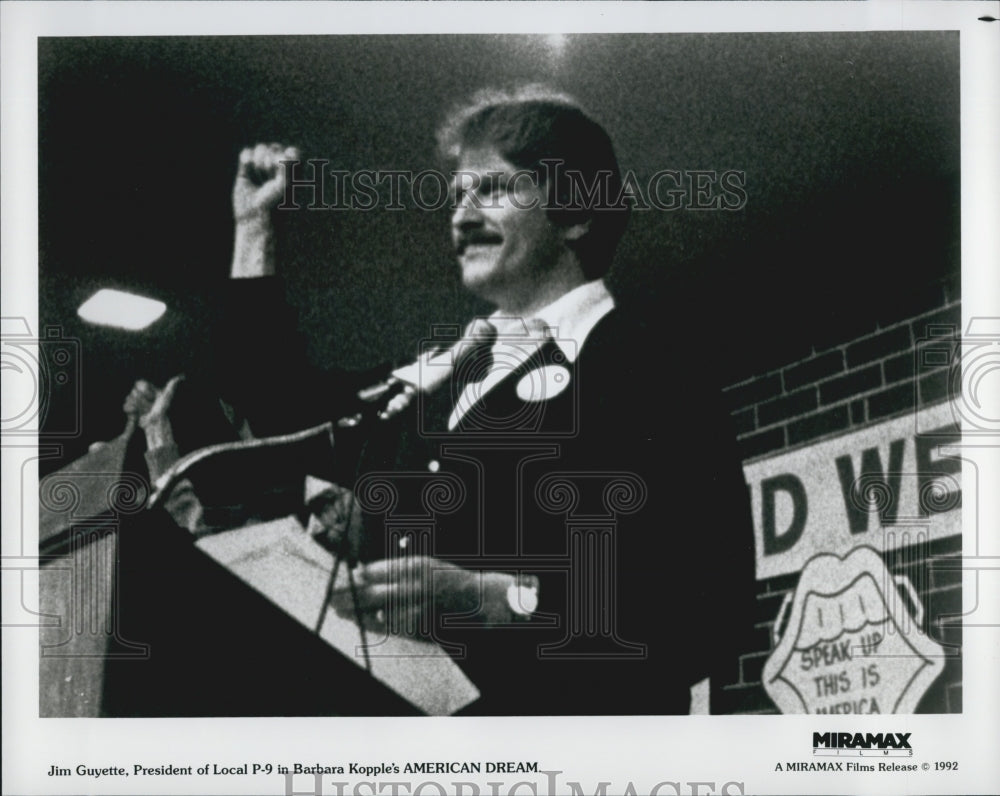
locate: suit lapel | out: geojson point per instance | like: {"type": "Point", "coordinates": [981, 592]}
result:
{"type": "Point", "coordinates": [521, 400]}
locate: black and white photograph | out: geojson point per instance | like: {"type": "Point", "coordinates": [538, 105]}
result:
{"type": "Point", "coordinates": [436, 405]}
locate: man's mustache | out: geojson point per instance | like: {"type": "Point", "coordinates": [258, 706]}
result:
{"type": "Point", "coordinates": [466, 239]}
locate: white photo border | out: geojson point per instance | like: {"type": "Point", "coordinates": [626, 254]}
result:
{"type": "Point", "coordinates": [642, 751]}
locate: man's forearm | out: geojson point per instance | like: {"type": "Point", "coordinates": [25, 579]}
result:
{"type": "Point", "coordinates": [253, 250]}
{"type": "Point", "coordinates": [159, 436]}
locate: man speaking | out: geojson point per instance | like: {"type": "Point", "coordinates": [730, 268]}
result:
{"type": "Point", "coordinates": [553, 495]}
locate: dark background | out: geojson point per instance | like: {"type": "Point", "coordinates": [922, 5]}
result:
{"type": "Point", "coordinates": [849, 142]}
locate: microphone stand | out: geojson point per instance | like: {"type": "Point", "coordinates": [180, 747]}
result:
{"type": "Point", "coordinates": [376, 399]}
{"type": "Point", "coordinates": [341, 551]}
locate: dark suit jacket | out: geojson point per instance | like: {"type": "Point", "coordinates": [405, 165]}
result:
{"type": "Point", "coordinates": [621, 490]}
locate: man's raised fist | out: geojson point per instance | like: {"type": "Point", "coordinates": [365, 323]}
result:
{"type": "Point", "coordinates": [260, 179]}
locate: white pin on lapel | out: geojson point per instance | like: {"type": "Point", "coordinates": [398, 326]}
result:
{"type": "Point", "coordinates": [543, 383]}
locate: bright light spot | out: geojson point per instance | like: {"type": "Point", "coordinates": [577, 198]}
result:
{"type": "Point", "coordinates": [557, 42]}
{"type": "Point", "coordinates": [121, 310]}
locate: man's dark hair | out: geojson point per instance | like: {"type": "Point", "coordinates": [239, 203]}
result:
{"type": "Point", "coordinates": [550, 135]}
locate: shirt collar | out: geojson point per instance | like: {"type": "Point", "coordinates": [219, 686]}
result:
{"type": "Point", "coordinates": [567, 320]}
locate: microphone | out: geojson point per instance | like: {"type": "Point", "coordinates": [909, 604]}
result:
{"type": "Point", "coordinates": [383, 390]}
{"type": "Point", "coordinates": [384, 400]}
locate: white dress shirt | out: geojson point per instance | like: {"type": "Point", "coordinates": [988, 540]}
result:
{"type": "Point", "coordinates": [567, 321]}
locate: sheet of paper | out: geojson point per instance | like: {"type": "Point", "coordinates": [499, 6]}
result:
{"type": "Point", "coordinates": [283, 563]}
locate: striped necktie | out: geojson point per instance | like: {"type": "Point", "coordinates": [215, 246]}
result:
{"type": "Point", "coordinates": [475, 356]}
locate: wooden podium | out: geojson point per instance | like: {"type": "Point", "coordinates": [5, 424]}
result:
{"type": "Point", "coordinates": [230, 617]}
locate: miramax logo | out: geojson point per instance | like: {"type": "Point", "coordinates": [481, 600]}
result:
{"type": "Point", "coordinates": [861, 740]}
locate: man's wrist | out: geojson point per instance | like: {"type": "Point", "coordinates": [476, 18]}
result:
{"type": "Point", "coordinates": [522, 597]}
{"type": "Point", "coordinates": [505, 598]}
{"type": "Point", "coordinates": [253, 248]}
{"type": "Point", "coordinates": [158, 433]}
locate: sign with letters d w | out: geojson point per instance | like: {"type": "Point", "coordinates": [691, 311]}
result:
{"type": "Point", "coordinates": [886, 486]}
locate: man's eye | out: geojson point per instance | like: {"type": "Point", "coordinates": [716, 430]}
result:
{"type": "Point", "coordinates": [491, 185]}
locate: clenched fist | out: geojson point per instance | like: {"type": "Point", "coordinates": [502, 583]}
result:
{"type": "Point", "coordinates": [260, 180]}
{"type": "Point", "coordinates": [259, 187]}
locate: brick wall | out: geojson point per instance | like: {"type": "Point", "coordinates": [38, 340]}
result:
{"type": "Point", "coordinates": [889, 371]}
